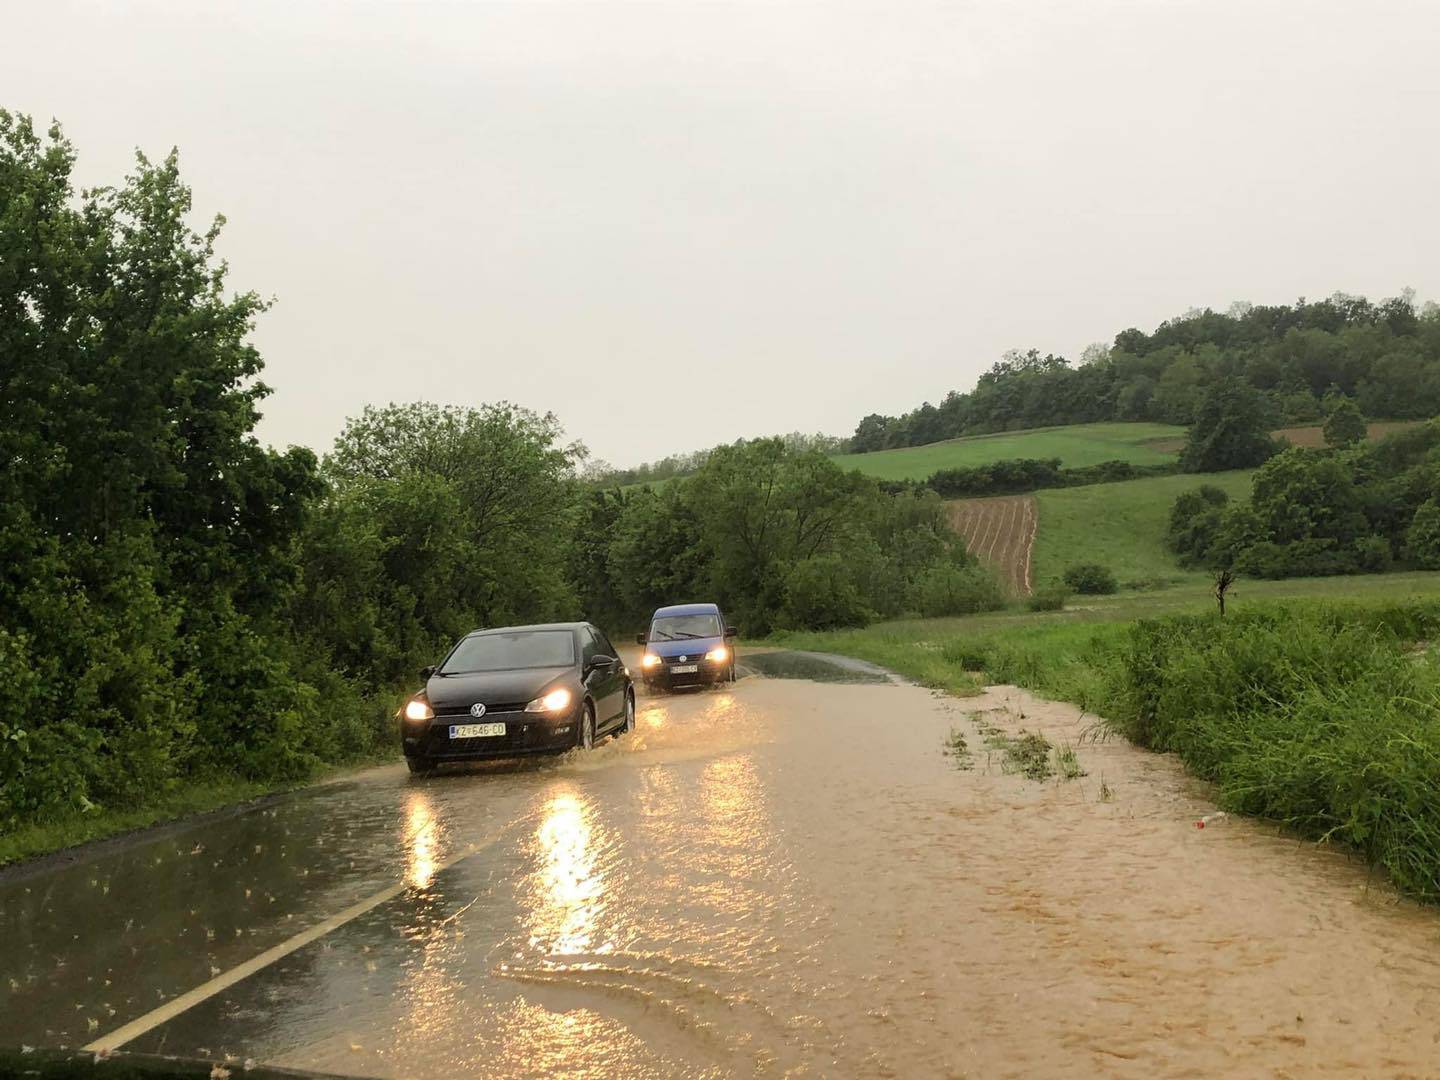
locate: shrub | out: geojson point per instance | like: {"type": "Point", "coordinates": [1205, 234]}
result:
{"type": "Point", "coordinates": [1195, 519]}
{"type": "Point", "coordinates": [966, 653]}
{"type": "Point", "coordinates": [820, 594]}
{"type": "Point", "coordinates": [1050, 597]}
{"type": "Point", "coordinates": [947, 589]}
{"type": "Point", "coordinates": [1422, 539]}
{"type": "Point", "coordinates": [1091, 579]}
{"type": "Point", "coordinates": [1373, 554]}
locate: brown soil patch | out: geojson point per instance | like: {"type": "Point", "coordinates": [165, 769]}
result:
{"type": "Point", "coordinates": [1000, 532]}
{"type": "Point", "coordinates": [1313, 435]}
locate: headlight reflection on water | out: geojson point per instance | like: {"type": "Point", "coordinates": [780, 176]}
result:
{"type": "Point", "coordinates": [569, 888]}
{"type": "Point", "coordinates": [422, 842]}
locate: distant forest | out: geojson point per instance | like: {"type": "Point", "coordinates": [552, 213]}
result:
{"type": "Point", "coordinates": [1385, 356]}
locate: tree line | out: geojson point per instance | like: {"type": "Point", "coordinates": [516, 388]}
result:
{"type": "Point", "coordinates": [178, 601]}
{"type": "Point", "coordinates": [599, 473]}
{"type": "Point", "coordinates": [1384, 356]}
{"type": "Point", "coordinates": [1348, 508]}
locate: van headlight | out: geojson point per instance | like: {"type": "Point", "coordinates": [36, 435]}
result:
{"type": "Point", "coordinates": [418, 709]}
{"type": "Point", "coordinates": [554, 701]}
{"type": "Point", "coordinates": [718, 655]}
{"type": "Point", "coordinates": [650, 660]}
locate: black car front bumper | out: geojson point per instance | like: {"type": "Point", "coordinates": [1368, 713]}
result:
{"type": "Point", "coordinates": [525, 733]}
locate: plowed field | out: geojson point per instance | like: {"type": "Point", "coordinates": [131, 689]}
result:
{"type": "Point", "coordinates": [1001, 533]}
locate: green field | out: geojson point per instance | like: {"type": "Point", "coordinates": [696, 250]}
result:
{"type": "Point", "coordinates": [1076, 446]}
{"type": "Point", "coordinates": [915, 647]}
{"type": "Point", "coordinates": [1121, 526]}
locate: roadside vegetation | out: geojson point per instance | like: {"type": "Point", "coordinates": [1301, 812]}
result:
{"type": "Point", "coordinates": [1318, 714]}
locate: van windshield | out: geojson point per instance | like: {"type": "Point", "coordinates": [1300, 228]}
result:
{"type": "Point", "coordinates": [684, 627]}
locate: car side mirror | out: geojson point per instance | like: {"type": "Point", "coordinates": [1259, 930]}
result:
{"type": "Point", "coordinates": [427, 671]}
{"type": "Point", "coordinates": [641, 639]}
{"type": "Point", "coordinates": [731, 631]}
{"type": "Point", "coordinates": [599, 660]}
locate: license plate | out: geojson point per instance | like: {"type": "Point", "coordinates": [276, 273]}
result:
{"type": "Point", "coordinates": [475, 731]}
{"type": "Point", "coordinates": [685, 669]}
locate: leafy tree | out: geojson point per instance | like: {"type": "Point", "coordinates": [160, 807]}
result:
{"type": "Point", "coordinates": [1345, 426]}
{"type": "Point", "coordinates": [146, 537]}
{"type": "Point", "coordinates": [513, 486]}
{"type": "Point", "coordinates": [1195, 520]}
{"type": "Point", "coordinates": [1422, 539]}
{"type": "Point", "coordinates": [1230, 430]}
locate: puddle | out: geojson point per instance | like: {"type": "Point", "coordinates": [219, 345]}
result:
{"type": "Point", "coordinates": [816, 667]}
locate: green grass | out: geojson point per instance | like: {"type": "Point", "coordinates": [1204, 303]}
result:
{"type": "Point", "coordinates": [1121, 526]}
{"type": "Point", "coordinates": [1076, 446]}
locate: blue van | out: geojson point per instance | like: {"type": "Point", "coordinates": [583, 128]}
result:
{"type": "Point", "coordinates": [687, 645]}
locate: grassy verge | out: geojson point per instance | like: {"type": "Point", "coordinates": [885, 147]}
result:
{"type": "Point", "coordinates": [1322, 713]}
{"type": "Point", "coordinates": [42, 838]}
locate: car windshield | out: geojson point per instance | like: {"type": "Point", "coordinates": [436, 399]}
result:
{"type": "Point", "coordinates": [502, 652]}
{"type": "Point", "coordinates": [684, 627]}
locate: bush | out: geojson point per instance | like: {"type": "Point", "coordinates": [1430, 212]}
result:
{"type": "Point", "coordinates": [1050, 597]}
{"type": "Point", "coordinates": [967, 654]}
{"type": "Point", "coordinates": [1302, 558]}
{"type": "Point", "coordinates": [1422, 538]}
{"type": "Point", "coordinates": [1091, 579]}
{"type": "Point", "coordinates": [1317, 717]}
{"type": "Point", "coordinates": [947, 589]}
{"type": "Point", "coordinates": [820, 594]}
{"type": "Point", "coordinates": [1195, 519]}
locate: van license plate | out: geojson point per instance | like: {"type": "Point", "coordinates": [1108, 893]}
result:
{"type": "Point", "coordinates": [475, 731]}
{"type": "Point", "coordinates": [684, 669]}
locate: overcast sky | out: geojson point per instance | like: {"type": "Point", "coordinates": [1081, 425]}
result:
{"type": "Point", "coordinates": [676, 223]}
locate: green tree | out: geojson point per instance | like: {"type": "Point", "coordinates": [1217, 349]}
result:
{"type": "Point", "coordinates": [1230, 430]}
{"type": "Point", "coordinates": [514, 487]}
{"type": "Point", "coordinates": [1422, 539]}
{"type": "Point", "coordinates": [147, 537]}
{"type": "Point", "coordinates": [1345, 426]}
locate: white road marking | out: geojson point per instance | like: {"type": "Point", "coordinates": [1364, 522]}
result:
{"type": "Point", "coordinates": [175, 1006]}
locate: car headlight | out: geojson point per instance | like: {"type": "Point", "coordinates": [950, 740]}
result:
{"type": "Point", "coordinates": [418, 709]}
{"type": "Point", "coordinates": [650, 660]}
{"type": "Point", "coordinates": [554, 701]}
{"type": "Point", "coordinates": [719, 654]}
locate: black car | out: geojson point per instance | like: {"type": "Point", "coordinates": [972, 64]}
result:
{"type": "Point", "coordinates": [518, 690]}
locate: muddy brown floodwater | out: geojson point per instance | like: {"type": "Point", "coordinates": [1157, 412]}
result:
{"type": "Point", "coordinates": [785, 877]}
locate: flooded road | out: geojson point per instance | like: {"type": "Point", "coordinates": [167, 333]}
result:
{"type": "Point", "coordinates": [782, 877]}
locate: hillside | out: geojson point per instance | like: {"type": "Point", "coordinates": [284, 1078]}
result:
{"type": "Point", "coordinates": [1076, 446]}
{"type": "Point", "coordinates": [1119, 525]}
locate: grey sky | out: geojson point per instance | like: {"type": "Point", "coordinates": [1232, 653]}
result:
{"type": "Point", "coordinates": [673, 224]}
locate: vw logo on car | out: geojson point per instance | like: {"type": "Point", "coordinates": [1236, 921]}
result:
{"type": "Point", "coordinates": [477, 710]}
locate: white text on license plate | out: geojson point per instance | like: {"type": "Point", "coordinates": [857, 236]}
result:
{"type": "Point", "coordinates": [475, 731]}
{"type": "Point", "coordinates": [684, 669]}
